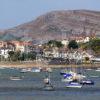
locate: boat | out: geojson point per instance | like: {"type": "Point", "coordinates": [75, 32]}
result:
{"type": "Point", "coordinates": [87, 82]}
{"type": "Point", "coordinates": [88, 69]}
{"type": "Point", "coordinates": [47, 82]}
{"type": "Point", "coordinates": [70, 76]}
{"type": "Point", "coordinates": [73, 84]}
{"type": "Point", "coordinates": [24, 70]}
{"type": "Point", "coordinates": [15, 78]}
{"type": "Point", "coordinates": [46, 69]}
{"type": "Point", "coordinates": [67, 78]}
{"type": "Point", "coordinates": [95, 59]}
{"type": "Point", "coordinates": [98, 69]}
{"type": "Point", "coordinates": [35, 70]}
{"type": "Point", "coordinates": [48, 87]}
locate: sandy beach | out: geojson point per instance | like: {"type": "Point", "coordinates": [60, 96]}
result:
{"type": "Point", "coordinates": [31, 64]}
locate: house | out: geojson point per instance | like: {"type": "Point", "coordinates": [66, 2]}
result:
{"type": "Point", "coordinates": [4, 52]}
{"type": "Point", "coordinates": [82, 40]}
{"type": "Point", "coordinates": [65, 42]}
{"type": "Point", "coordinates": [3, 43]}
{"type": "Point", "coordinates": [19, 46]}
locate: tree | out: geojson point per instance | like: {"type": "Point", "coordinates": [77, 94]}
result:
{"type": "Point", "coordinates": [95, 45]}
{"type": "Point", "coordinates": [73, 45]}
{"type": "Point", "coordinates": [11, 53]}
{"type": "Point", "coordinates": [32, 55]}
{"type": "Point", "coordinates": [54, 43]}
{"type": "Point", "coordinates": [14, 56]}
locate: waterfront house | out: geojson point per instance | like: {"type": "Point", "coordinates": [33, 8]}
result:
{"type": "Point", "coordinates": [4, 52]}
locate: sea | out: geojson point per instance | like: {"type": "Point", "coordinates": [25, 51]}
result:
{"type": "Point", "coordinates": [30, 86]}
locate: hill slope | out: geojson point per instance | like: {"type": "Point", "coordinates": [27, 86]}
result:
{"type": "Point", "coordinates": [53, 24]}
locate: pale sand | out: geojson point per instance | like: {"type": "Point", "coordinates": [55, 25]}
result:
{"type": "Point", "coordinates": [40, 65]}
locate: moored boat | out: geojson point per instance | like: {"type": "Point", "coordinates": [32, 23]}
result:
{"type": "Point", "coordinates": [73, 84]}
{"type": "Point", "coordinates": [35, 70]}
{"type": "Point", "coordinates": [98, 69]}
{"type": "Point", "coordinates": [24, 70]}
{"type": "Point", "coordinates": [87, 82]}
{"type": "Point", "coordinates": [15, 78]}
{"type": "Point", "coordinates": [70, 76]}
{"type": "Point", "coordinates": [48, 87]}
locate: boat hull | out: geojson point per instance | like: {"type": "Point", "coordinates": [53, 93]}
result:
{"type": "Point", "coordinates": [48, 87]}
{"type": "Point", "coordinates": [69, 86]}
{"type": "Point", "coordinates": [74, 85]}
{"type": "Point", "coordinates": [87, 82]}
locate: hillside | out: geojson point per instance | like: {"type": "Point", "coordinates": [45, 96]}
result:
{"type": "Point", "coordinates": [53, 24]}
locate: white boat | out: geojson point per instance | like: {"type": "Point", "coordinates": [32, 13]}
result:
{"type": "Point", "coordinates": [15, 78]}
{"type": "Point", "coordinates": [67, 79]}
{"type": "Point", "coordinates": [98, 69]}
{"type": "Point", "coordinates": [70, 76]}
{"type": "Point", "coordinates": [47, 83]}
{"type": "Point", "coordinates": [95, 59]}
{"type": "Point", "coordinates": [88, 69]}
{"type": "Point", "coordinates": [24, 70]}
{"type": "Point", "coordinates": [35, 70]}
{"type": "Point", "coordinates": [74, 85]}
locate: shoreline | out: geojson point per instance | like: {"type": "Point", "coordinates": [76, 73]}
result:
{"type": "Point", "coordinates": [40, 65]}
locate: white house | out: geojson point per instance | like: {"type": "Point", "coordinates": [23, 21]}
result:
{"type": "Point", "coordinates": [4, 52]}
{"type": "Point", "coordinates": [65, 42]}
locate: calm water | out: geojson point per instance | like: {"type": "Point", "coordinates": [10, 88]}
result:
{"type": "Point", "coordinates": [31, 86]}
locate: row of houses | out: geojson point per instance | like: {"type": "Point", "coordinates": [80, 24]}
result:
{"type": "Point", "coordinates": [78, 40]}
{"type": "Point", "coordinates": [66, 54]}
{"type": "Point", "coordinates": [27, 46]}
{"type": "Point", "coordinates": [6, 46]}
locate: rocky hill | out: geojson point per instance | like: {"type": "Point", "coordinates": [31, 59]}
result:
{"type": "Point", "coordinates": [53, 24]}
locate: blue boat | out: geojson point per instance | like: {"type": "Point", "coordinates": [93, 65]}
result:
{"type": "Point", "coordinates": [87, 82]}
{"type": "Point", "coordinates": [73, 84]}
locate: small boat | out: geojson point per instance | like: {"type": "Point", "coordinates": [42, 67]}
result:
{"type": "Point", "coordinates": [98, 69]}
{"type": "Point", "coordinates": [67, 78]}
{"type": "Point", "coordinates": [48, 69]}
{"type": "Point", "coordinates": [70, 76]}
{"type": "Point", "coordinates": [87, 82]}
{"type": "Point", "coordinates": [73, 84]}
{"type": "Point", "coordinates": [15, 78]}
{"type": "Point", "coordinates": [48, 87]}
{"type": "Point", "coordinates": [35, 70]}
{"type": "Point", "coordinates": [88, 69]}
{"type": "Point", "coordinates": [24, 70]}
{"type": "Point", "coordinates": [47, 83]}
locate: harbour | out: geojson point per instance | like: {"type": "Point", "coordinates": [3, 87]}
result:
{"type": "Point", "coordinates": [31, 86]}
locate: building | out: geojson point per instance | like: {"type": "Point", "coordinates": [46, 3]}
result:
{"type": "Point", "coordinates": [4, 52]}
{"type": "Point", "coordinates": [65, 42]}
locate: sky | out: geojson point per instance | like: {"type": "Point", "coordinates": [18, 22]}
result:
{"type": "Point", "coordinates": [16, 12]}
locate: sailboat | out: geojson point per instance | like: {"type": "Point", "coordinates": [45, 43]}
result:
{"type": "Point", "coordinates": [47, 80]}
{"type": "Point", "coordinates": [72, 77]}
{"type": "Point", "coordinates": [47, 83]}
